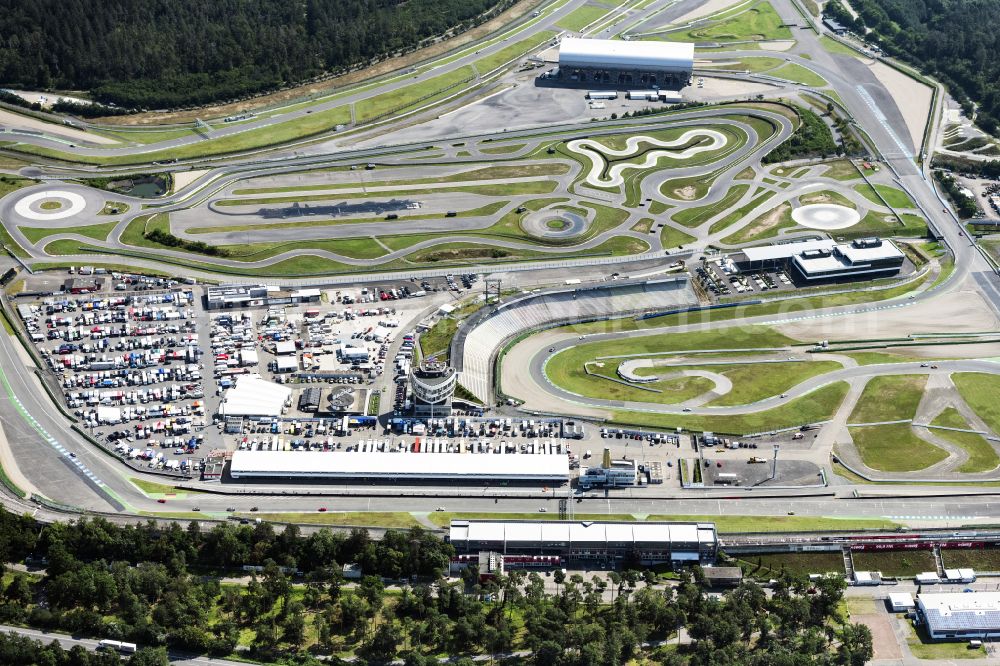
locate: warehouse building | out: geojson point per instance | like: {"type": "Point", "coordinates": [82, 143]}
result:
{"type": "Point", "coordinates": [253, 396]}
{"type": "Point", "coordinates": [958, 615]}
{"type": "Point", "coordinates": [409, 467]}
{"type": "Point", "coordinates": [625, 65]}
{"type": "Point", "coordinates": [817, 261]}
{"type": "Point", "coordinates": [606, 542]}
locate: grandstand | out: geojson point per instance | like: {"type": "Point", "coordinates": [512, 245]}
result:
{"type": "Point", "coordinates": [475, 345]}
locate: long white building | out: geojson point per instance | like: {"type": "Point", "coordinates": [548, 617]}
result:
{"type": "Point", "coordinates": [402, 466]}
{"type": "Point", "coordinates": [625, 65]}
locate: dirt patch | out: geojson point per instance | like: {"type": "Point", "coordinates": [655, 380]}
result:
{"type": "Point", "coordinates": [918, 98]}
{"type": "Point", "coordinates": [780, 45]}
{"type": "Point", "coordinates": [768, 221]}
{"type": "Point", "coordinates": [184, 178]}
{"type": "Point", "coordinates": [883, 637]}
{"type": "Point", "coordinates": [686, 193]}
{"type": "Point", "coordinates": [816, 198]}
{"type": "Point", "coordinates": [378, 69]}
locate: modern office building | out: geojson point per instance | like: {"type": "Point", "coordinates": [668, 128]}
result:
{"type": "Point", "coordinates": [817, 261]}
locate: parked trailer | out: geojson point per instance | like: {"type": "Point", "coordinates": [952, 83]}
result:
{"type": "Point", "coordinates": [645, 95]}
{"type": "Point", "coordinates": [118, 646]}
{"type": "Point", "coordinates": [602, 94]}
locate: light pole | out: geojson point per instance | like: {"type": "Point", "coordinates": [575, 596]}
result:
{"type": "Point", "coordinates": [774, 462]}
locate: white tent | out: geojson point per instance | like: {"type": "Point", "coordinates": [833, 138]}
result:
{"type": "Point", "coordinates": [253, 396]}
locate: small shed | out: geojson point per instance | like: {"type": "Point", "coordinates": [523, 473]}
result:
{"type": "Point", "coordinates": [723, 576]}
{"type": "Point", "coordinates": [900, 602]}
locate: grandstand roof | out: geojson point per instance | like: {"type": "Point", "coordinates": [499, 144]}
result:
{"type": "Point", "coordinates": [539, 532]}
{"type": "Point", "coordinates": [575, 52]}
{"type": "Point", "coordinates": [253, 396]}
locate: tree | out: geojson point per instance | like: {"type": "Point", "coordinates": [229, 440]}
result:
{"type": "Point", "coordinates": [149, 657]}
{"type": "Point", "coordinates": [383, 644]}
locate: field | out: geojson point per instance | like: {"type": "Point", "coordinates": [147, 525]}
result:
{"type": "Point", "coordinates": [753, 382]}
{"type": "Point", "coordinates": [895, 197]}
{"type": "Point", "coordinates": [799, 74]}
{"type": "Point", "coordinates": [895, 563]}
{"type": "Point", "coordinates": [980, 391]}
{"type": "Point", "coordinates": [695, 217]}
{"type": "Point", "coordinates": [895, 448]}
{"type": "Point", "coordinates": [979, 559]}
{"type": "Point", "coordinates": [581, 17]}
{"type": "Point", "coordinates": [889, 398]}
{"type": "Point", "coordinates": [770, 565]}
{"type": "Point", "coordinates": [760, 22]}
{"type": "Point", "coordinates": [818, 405]}
{"type": "Point", "coordinates": [982, 456]}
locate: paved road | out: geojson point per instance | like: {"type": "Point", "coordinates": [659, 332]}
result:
{"type": "Point", "coordinates": [67, 642]}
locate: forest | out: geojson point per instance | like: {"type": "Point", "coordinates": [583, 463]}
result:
{"type": "Point", "coordinates": [948, 39]}
{"type": "Point", "coordinates": [168, 587]}
{"type": "Point", "coordinates": [146, 54]}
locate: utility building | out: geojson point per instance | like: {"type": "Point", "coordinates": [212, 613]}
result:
{"type": "Point", "coordinates": [625, 65]}
{"type": "Point", "coordinates": [957, 615]}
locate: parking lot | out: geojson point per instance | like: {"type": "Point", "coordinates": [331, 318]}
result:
{"type": "Point", "coordinates": [720, 277]}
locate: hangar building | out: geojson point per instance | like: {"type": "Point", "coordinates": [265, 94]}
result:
{"type": "Point", "coordinates": [615, 63]}
{"type": "Point", "coordinates": [647, 542]}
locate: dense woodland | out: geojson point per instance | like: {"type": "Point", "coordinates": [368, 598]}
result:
{"type": "Point", "coordinates": [170, 53]}
{"type": "Point", "coordinates": [162, 587]}
{"type": "Point", "coordinates": [954, 40]}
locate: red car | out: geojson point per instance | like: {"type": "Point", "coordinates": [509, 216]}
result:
{"type": "Point", "coordinates": [162, 501]}
{"type": "Point", "coordinates": [322, 509]}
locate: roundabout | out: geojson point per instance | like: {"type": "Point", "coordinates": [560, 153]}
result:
{"type": "Point", "coordinates": [50, 205]}
{"type": "Point", "coordinates": [825, 217]}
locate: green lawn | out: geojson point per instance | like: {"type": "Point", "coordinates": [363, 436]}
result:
{"type": "Point", "coordinates": [753, 382]}
{"type": "Point", "coordinates": [374, 108]}
{"type": "Point", "coordinates": [982, 456]}
{"type": "Point", "coordinates": [740, 213]}
{"type": "Point", "coordinates": [760, 22]}
{"type": "Point", "coordinates": [925, 648]}
{"type": "Point", "coordinates": [10, 184]}
{"type": "Point", "coordinates": [878, 357]}
{"type": "Point", "coordinates": [895, 563]}
{"type": "Point", "coordinates": [698, 215]}
{"type": "Point", "coordinates": [835, 47]}
{"type": "Point", "coordinates": [154, 488]}
{"type": "Point", "coordinates": [895, 197]}
{"type": "Point", "coordinates": [771, 565]}
{"type": "Point", "coordinates": [980, 559]}
{"type": "Point", "coordinates": [566, 368]}
{"type": "Point", "coordinates": [895, 448]}
{"type": "Point", "coordinates": [512, 52]}
{"type": "Point", "coordinates": [96, 231]}
{"type": "Point", "coordinates": [799, 74]}
{"type": "Point", "coordinates": [841, 170]}
{"type": "Point", "coordinates": [353, 518]}
{"type": "Point", "coordinates": [581, 17]}
{"type": "Point", "coordinates": [670, 237]}
{"type": "Point", "coordinates": [889, 398]}
{"type": "Point", "coordinates": [435, 341]}
{"type": "Point", "coordinates": [757, 64]}
{"type": "Point", "coordinates": [979, 391]}
{"type": "Point", "coordinates": [501, 150]}
{"type": "Point", "coordinates": [820, 405]}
